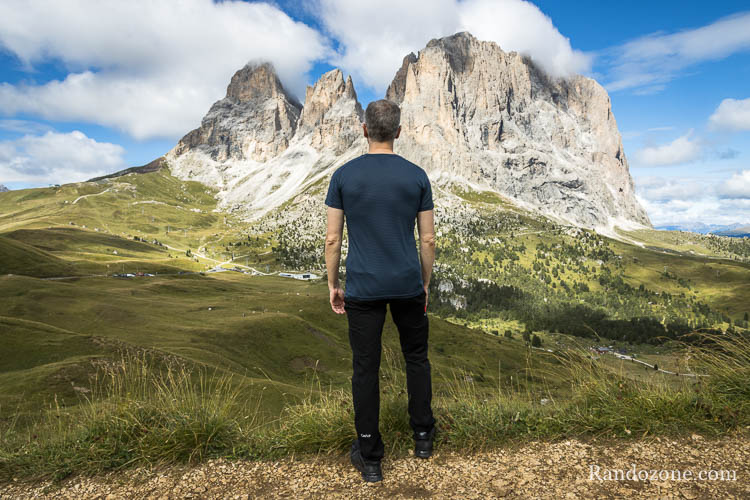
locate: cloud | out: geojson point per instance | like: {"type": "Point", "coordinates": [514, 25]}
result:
{"type": "Point", "coordinates": [521, 26]}
{"type": "Point", "coordinates": [23, 126]}
{"type": "Point", "coordinates": [151, 69]}
{"type": "Point", "coordinates": [660, 189]}
{"type": "Point", "coordinates": [374, 37]}
{"type": "Point", "coordinates": [54, 158]}
{"type": "Point", "coordinates": [660, 129]}
{"type": "Point", "coordinates": [690, 200]}
{"type": "Point", "coordinates": [681, 150]}
{"type": "Point", "coordinates": [632, 134]}
{"type": "Point", "coordinates": [732, 114]}
{"type": "Point", "coordinates": [738, 186]}
{"type": "Point", "coordinates": [648, 62]}
{"type": "Point", "coordinates": [708, 210]}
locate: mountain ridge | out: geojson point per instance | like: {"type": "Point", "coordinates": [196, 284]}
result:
{"type": "Point", "coordinates": [151, 166]}
{"type": "Point", "coordinates": [703, 228]}
{"type": "Point", "coordinates": [472, 115]}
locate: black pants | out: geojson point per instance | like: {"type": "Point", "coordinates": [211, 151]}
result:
{"type": "Point", "coordinates": [366, 319]}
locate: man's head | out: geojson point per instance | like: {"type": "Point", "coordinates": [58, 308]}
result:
{"type": "Point", "coordinates": [382, 120]}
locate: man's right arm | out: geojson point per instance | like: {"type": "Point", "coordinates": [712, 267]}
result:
{"type": "Point", "coordinates": [426, 228]}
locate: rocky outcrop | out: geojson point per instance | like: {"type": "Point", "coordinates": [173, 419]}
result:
{"type": "Point", "coordinates": [471, 112]}
{"type": "Point", "coordinates": [152, 166]}
{"type": "Point", "coordinates": [3, 189]}
{"type": "Point", "coordinates": [332, 115]}
{"type": "Point", "coordinates": [256, 120]}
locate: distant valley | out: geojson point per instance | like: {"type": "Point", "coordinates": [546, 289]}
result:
{"type": "Point", "coordinates": [737, 230]}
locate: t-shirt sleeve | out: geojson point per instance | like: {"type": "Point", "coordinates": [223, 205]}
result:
{"type": "Point", "coordinates": [333, 198]}
{"type": "Point", "coordinates": [426, 200]}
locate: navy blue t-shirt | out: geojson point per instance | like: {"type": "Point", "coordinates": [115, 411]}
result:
{"type": "Point", "coordinates": [380, 195]}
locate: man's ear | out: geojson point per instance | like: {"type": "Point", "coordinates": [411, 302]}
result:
{"type": "Point", "coordinates": [398, 132]}
{"type": "Point", "coordinates": [364, 129]}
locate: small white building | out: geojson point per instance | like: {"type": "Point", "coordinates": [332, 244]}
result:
{"type": "Point", "coordinates": [300, 276]}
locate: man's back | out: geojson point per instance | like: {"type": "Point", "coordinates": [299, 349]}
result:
{"type": "Point", "coordinates": [380, 195]}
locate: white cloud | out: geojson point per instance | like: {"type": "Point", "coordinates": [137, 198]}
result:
{"type": "Point", "coordinates": [54, 158]}
{"type": "Point", "coordinates": [732, 114]}
{"type": "Point", "coordinates": [708, 210]}
{"type": "Point", "coordinates": [632, 134]}
{"type": "Point", "coordinates": [681, 150]}
{"type": "Point", "coordinates": [738, 186]}
{"type": "Point", "coordinates": [661, 189]}
{"type": "Point", "coordinates": [521, 26]}
{"type": "Point", "coordinates": [375, 36]}
{"type": "Point", "coordinates": [149, 68]}
{"type": "Point", "coordinates": [660, 129]}
{"type": "Point", "coordinates": [693, 200]}
{"type": "Point", "coordinates": [23, 126]}
{"type": "Point", "coordinates": [650, 61]}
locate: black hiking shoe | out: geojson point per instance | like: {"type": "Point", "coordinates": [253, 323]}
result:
{"type": "Point", "coordinates": [423, 443]}
{"type": "Point", "coordinates": [370, 469]}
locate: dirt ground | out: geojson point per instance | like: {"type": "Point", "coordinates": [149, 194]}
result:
{"type": "Point", "coordinates": [564, 469]}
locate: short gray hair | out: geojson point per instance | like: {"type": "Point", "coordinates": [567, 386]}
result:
{"type": "Point", "coordinates": [382, 119]}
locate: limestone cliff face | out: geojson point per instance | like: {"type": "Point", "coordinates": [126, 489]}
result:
{"type": "Point", "coordinates": [260, 146]}
{"type": "Point", "coordinates": [255, 120]}
{"type": "Point", "coordinates": [332, 115]}
{"type": "Point", "coordinates": [472, 115]}
{"type": "Point", "coordinates": [471, 112]}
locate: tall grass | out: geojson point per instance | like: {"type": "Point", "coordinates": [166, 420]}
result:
{"type": "Point", "coordinates": [163, 414]}
{"type": "Point", "coordinates": [725, 359]}
{"type": "Point", "coordinates": [145, 410]}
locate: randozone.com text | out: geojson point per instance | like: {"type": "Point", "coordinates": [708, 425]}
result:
{"type": "Point", "coordinates": [597, 473]}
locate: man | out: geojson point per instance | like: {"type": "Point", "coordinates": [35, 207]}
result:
{"type": "Point", "coordinates": [381, 194]}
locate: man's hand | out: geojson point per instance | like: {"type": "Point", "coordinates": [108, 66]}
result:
{"type": "Point", "coordinates": [334, 234]}
{"type": "Point", "coordinates": [426, 227]}
{"type": "Point", "coordinates": [426, 294]}
{"type": "Point", "coordinates": [337, 300]}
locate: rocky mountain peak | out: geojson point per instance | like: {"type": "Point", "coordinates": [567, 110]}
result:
{"type": "Point", "coordinates": [471, 114]}
{"type": "Point", "coordinates": [3, 189]}
{"type": "Point", "coordinates": [258, 80]}
{"type": "Point", "coordinates": [395, 91]}
{"type": "Point", "coordinates": [255, 121]}
{"type": "Point", "coordinates": [471, 111]}
{"type": "Point", "coordinates": [349, 88]}
{"type": "Point", "coordinates": [260, 147]}
{"type": "Point", "coordinates": [458, 48]}
{"type": "Point", "coordinates": [331, 113]}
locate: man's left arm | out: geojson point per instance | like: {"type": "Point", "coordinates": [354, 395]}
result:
{"type": "Point", "coordinates": [334, 236]}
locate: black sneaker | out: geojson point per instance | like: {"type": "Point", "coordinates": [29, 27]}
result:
{"type": "Point", "coordinates": [370, 469]}
{"type": "Point", "coordinates": [423, 443]}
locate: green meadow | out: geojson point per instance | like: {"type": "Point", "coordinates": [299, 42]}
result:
{"type": "Point", "coordinates": [269, 332]}
{"type": "Point", "coordinates": [179, 363]}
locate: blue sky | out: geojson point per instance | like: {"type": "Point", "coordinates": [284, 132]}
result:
{"type": "Point", "coordinates": [88, 88]}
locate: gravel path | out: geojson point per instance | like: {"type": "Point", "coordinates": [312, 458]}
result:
{"type": "Point", "coordinates": [535, 470]}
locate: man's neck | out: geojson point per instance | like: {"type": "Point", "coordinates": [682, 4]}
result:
{"type": "Point", "coordinates": [380, 148]}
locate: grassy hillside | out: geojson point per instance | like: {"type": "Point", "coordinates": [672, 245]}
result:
{"type": "Point", "coordinates": [264, 329]}
{"type": "Point", "coordinates": [500, 270]}
{"type": "Point", "coordinates": [153, 207]}
{"type": "Point", "coordinates": [513, 295]}
{"type": "Point", "coordinates": [492, 256]}
{"type": "Point", "coordinates": [499, 264]}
